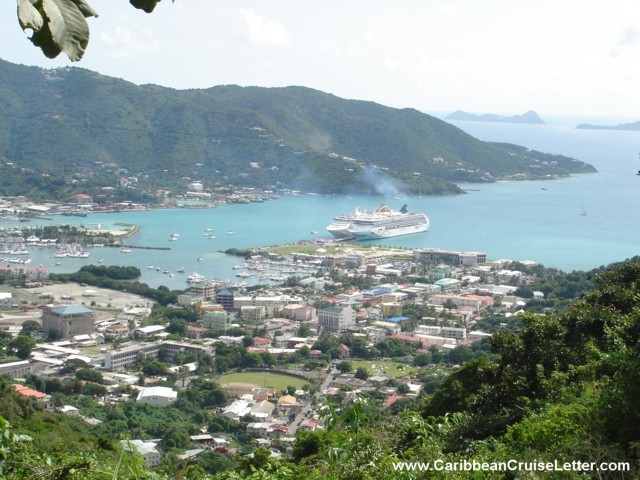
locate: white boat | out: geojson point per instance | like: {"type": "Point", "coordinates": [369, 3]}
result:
{"type": "Point", "coordinates": [381, 223]}
{"type": "Point", "coordinates": [211, 237]}
{"type": "Point", "coordinates": [125, 250]}
{"type": "Point", "coordinates": [230, 232]}
{"type": "Point", "coordinates": [180, 270]}
{"type": "Point", "coordinates": [196, 278]}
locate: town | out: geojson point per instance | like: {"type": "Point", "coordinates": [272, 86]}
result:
{"type": "Point", "coordinates": [382, 324]}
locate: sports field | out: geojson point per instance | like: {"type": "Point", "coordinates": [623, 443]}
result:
{"type": "Point", "coordinates": [279, 381]}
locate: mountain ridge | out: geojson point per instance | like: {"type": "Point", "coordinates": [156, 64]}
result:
{"type": "Point", "coordinates": [71, 121]}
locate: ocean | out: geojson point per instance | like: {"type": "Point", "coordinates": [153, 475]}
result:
{"type": "Point", "coordinates": [572, 224]}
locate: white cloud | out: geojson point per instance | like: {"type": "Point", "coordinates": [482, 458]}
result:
{"type": "Point", "coordinates": [124, 42]}
{"type": "Point", "coordinates": [263, 30]}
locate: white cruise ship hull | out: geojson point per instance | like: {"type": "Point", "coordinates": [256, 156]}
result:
{"type": "Point", "coordinates": [388, 232]}
{"type": "Point", "coordinates": [382, 223]}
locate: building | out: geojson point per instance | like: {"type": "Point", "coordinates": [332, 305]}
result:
{"type": "Point", "coordinates": [217, 320]}
{"type": "Point", "coordinates": [118, 360]}
{"type": "Point", "coordinates": [149, 331]}
{"type": "Point", "coordinates": [454, 332]}
{"type": "Point", "coordinates": [157, 396]}
{"type": "Point", "coordinates": [68, 320]}
{"type": "Point", "coordinates": [391, 309]}
{"type": "Point", "coordinates": [5, 300]}
{"type": "Point", "coordinates": [449, 257]}
{"type": "Point", "coordinates": [19, 369]}
{"type": "Point", "coordinates": [298, 312]}
{"type": "Point", "coordinates": [37, 274]}
{"type": "Point", "coordinates": [237, 409]}
{"type": "Point", "coordinates": [225, 298]}
{"type": "Point", "coordinates": [147, 451]}
{"type": "Point", "coordinates": [196, 333]}
{"type": "Point", "coordinates": [252, 314]}
{"type": "Point", "coordinates": [169, 349]}
{"type": "Point", "coordinates": [390, 327]}
{"type": "Point", "coordinates": [337, 319]}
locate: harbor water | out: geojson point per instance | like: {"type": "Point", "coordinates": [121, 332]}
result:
{"type": "Point", "coordinates": [572, 224]}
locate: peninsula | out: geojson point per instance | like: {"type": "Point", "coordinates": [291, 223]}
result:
{"type": "Point", "coordinates": [635, 126]}
{"type": "Point", "coordinates": [530, 117]}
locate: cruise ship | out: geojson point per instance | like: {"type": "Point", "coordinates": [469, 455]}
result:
{"type": "Point", "coordinates": [382, 223]}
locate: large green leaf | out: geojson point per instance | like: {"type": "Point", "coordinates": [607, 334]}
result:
{"type": "Point", "coordinates": [65, 30]}
{"type": "Point", "coordinates": [85, 8]}
{"type": "Point", "coordinates": [29, 16]}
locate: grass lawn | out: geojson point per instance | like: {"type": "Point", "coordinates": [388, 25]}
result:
{"type": "Point", "coordinates": [396, 369]}
{"type": "Point", "coordinates": [279, 381]}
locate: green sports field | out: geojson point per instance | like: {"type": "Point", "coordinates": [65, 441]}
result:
{"type": "Point", "coordinates": [279, 381]}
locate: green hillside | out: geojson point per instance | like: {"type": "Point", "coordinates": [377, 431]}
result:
{"type": "Point", "coordinates": [71, 121]}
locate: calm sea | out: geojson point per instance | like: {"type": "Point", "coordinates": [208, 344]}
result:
{"type": "Point", "coordinates": [541, 221]}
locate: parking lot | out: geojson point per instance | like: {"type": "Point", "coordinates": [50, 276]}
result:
{"type": "Point", "coordinates": [106, 303]}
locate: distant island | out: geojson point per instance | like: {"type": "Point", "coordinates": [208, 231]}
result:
{"type": "Point", "coordinates": [527, 117]}
{"type": "Point", "coordinates": [622, 126]}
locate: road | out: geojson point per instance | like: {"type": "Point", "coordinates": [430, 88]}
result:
{"type": "Point", "coordinates": [293, 428]}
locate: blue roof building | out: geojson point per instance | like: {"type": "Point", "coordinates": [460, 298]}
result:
{"type": "Point", "coordinates": [396, 319]}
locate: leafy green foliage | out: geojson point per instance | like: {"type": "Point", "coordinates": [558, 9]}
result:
{"type": "Point", "coordinates": [57, 25]}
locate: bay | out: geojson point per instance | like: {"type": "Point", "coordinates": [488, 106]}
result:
{"type": "Point", "coordinates": [572, 224]}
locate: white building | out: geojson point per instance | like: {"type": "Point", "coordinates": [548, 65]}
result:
{"type": "Point", "coordinates": [337, 319]}
{"type": "Point", "coordinates": [158, 396]}
{"type": "Point", "coordinates": [5, 300]}
{"type": "Point", "coordinates": [147, 451]}
{"type": "Point", "coordinates": [237, 409]}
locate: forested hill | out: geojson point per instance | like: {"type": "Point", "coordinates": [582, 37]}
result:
{"type": "Point", "coordinates": [73, 121]}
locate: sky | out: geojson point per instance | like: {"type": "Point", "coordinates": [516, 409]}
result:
{"type": "Point", "coordinates": [556, 57]}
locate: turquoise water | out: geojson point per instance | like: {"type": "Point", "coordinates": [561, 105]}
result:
{"type": "Point", "coordinates": [537, 221]}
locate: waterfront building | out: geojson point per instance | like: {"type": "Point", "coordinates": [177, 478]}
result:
{"type": "Point", "coordinates": [68, 320]}
{"type": "Point", "coordinates": [449, 257]}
